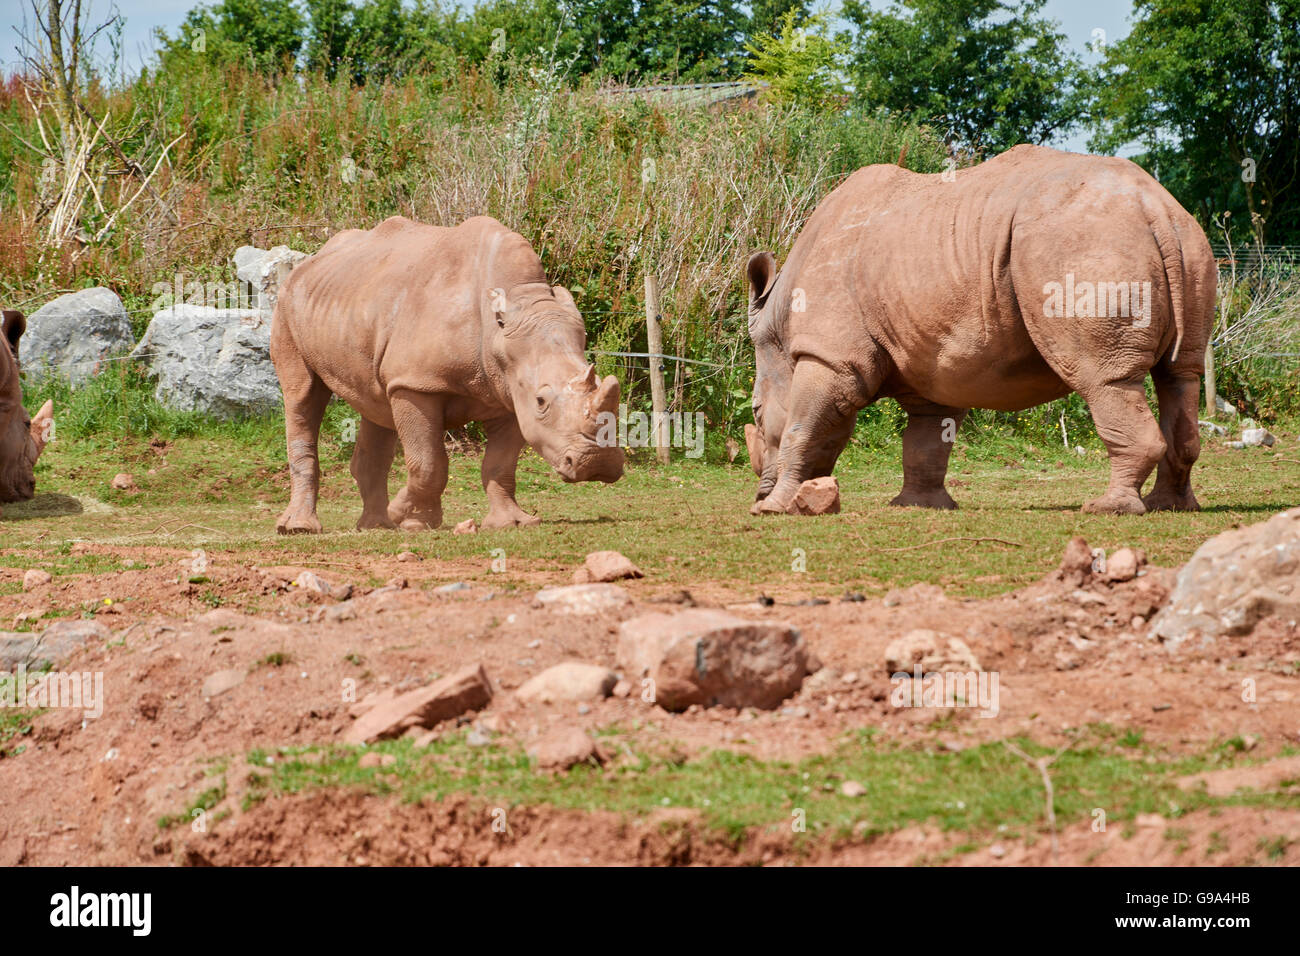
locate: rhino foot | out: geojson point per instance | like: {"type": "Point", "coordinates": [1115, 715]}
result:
{"type": "Point", "coordinates": [515, 519]}
{"type": "Point", "coordinates": [293, 524]}
{"type": "Point", "coordinates": [1161, 500]}
{"type": "Point", "coordinates": [1116, 503]}
{"type": "Point", "coordinates": [935, 498]}
{"type": "Point", "coordinates": [368, 521]}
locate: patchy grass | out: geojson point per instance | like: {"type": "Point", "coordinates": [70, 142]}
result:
{"type": "Point", "coordinates": [981, 790]}
{"type": "Point", "coordinates": [683, 523]}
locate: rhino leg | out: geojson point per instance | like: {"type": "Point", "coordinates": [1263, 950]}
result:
{"type": "Point", "coordinates": [927, 442]}
{"type": "Point", "coordinates": [1178, 395]}
{"type": "Point", "coordinates": [818, 426]}
{"type": "Point", "coordinates": [504, 442]}
{"type": "Point", "coordinates": [372, 459]}
{"type": "Point", "coordinates": [1125, 423]}
{"type": "Point", "coordinates": [305, 398]}
{"type": "Point", "coordinates": [419, 421]}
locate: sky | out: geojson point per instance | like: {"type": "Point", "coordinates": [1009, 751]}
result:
{"type": "Point", "coordinates": [1078, 18]}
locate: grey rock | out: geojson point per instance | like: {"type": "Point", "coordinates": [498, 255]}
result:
{"type": "Point", "coordinates": [72, 336]}
{"type": "Point", "coordinates": [214, 361]}
{"type": "Point", "coordinates": [51, 646]}
{"type": "Point", "coordinates": [265, 270]}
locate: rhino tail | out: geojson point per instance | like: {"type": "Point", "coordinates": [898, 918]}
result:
{"type": "Point", "coordinates": [1171, 253]}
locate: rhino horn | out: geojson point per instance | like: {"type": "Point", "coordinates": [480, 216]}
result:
{"type": "Point", "coordinates": [40, 425]}
{"type": "Point", "coordinates": [606, 398]}
{"type": "Point", "coordinates": [585, 380]}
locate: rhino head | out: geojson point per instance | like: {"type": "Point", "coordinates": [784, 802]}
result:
{"type": "Point", "coordinates": [559, 403]}
{"type": "Point", "coordinates": [22, 438]}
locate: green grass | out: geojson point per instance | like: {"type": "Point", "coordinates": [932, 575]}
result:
{"type": "Point", "coordinates": [981, 790]}
{"type": "Point", "coordinates": [221, 490]}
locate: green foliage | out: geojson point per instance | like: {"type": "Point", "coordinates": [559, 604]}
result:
{"type": "Point", "coordinates": [800, 65]}
{"type": "Point", "coordinates": [989, 74]}
{"type": "Point", "coordinates": [1206, 85]}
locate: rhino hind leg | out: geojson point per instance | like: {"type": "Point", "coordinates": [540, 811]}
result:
{"type": "Point", "coordinates": [1133, 439]}
{"type": "Point", "coordinates": [504, 442]}
{"type": "Point", "coordinates": [1178, 396]}
{"type": "Point", "coordinates": [927, 443]}
{"type": "Point", "coordinates": [419, 420]}
{"type": "Point", "coordinates": [305, 398]}
{"type": "Point", "coordinates": [372, 459]}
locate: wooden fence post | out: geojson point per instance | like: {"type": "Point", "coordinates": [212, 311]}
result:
{"type": "Point", "coordinates": [655, 346]}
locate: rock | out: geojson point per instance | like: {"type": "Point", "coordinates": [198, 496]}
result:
{"type": "Point", "coordinates": [623, 689]}
{"type": "Point", "coordinates": [817, 496]}
{"type": "Point", "coordinates": [1235, 580]}
{"type": "Point", "coordinates": [371, 700]}
{"type": "Point", "coordinates": [265, 271]}
{"type": "Point", "coordinates": [467, 689]}
{"type": "Point", "coordinates": [408, 556]}
{"type": "Point", "coordinates": [53, 645]}
{"type": "Point", "coordinates": [851, 788]}
{"type": "Point", "coordinates": [1223, 408]}
{"type": "Point", "coordinates": [373, 758]}
{"type": "Point", "coordinates": [570, 681]}
{"type": "Point", "coordinates": [1076, 564]}
{"type": "Point", "coordinates": [454, 586]}
{"type": "Point", "coordinates": [1257, 437]}
{"type": "Point", "coordinates": [713, 658]}
{"type": "Point", "coordinates": [72, 336]}
{"type": "Point", "coordinates": [468, 526]}
{"type": "Point", "coordinates": [214, 361]}
{"type": "Point", "coordinates": [1124, 564]}
{"type": "Point", "coordinates": [123, 481]}
{"type": "Point", "coordinates": [218, 683]}
{"type": "Point", "coordinates": [931, 651]}
{"type": "Point", "coordinates": [610, 566]}
{"type": "Point", "coordinates": [582, 575]}
{"type": "Point", "coordinates": [1212, 428]}
{"type": "Point", "coordinates": [35, 578]}
{"type": "Point", "coordinates": [313, 582]}
{"type": "Point", "coordinates": [583, 598]}
{"type": "Point", "coordinates": [561, 749]}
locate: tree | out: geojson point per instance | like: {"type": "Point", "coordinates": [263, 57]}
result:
{"type": "Point", "coordinates": [1211, 89]}
{"type": "Point", "coordinates": [800, 65]}
{"type": "Point", "coordinates": [988, 74]}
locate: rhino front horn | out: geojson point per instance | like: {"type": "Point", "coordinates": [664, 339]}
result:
{"type": "Point", "coordinates": [40, 429]}
{"type": "Point", "coordinates": [585, 380]}
{"type": "Point", "coordinates": [606, 399]}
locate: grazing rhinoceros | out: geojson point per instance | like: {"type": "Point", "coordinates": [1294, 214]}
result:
{"type": "Point", "coordinates": [421, 329]}
{"type": "Point", "coordinates": [22, 438]}
{"type": "Point", "coordinates": [1007, 285]}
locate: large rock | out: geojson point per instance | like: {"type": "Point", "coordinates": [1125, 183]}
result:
{"type": "Point", "coordinates": [54, 644]}
{"type": "Point", "coordinates": [713, 658]}
{"type": "Point", "coordinates": [931, 651]}
{"type": "Point", "coordinates": [72, 336]}
{"type": "Point", "coordinates": [467, 689]}
{"type": "Point", "coordinates": [265, 271]}
{"type": "Point", "coordinates": [215, 361]}
{"type": "Point", "coordinates": [583, 598]}
{"type": "Point", "coordinates": [818, 496]}
{"type": "Point", "coordinates": [1234, 580]}
{"type": "Point", "coordinates": [570, 681]}
{"type": "Point", "coordinates": [561, 749]}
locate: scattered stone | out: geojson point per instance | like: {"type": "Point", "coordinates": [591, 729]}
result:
{"type": "Point", "coordinates": [561, 749]}
{"type": "Point", "coordinates": [713, 658]}
{"type": "Point", "coordinates": [123, 481]}
{"type": "Point", "coordinates": [610, 566]}
{"type": "Point", "coordinates": [57, 642]}
{"type": "Point", "coordinates": [929, 650]}
{"type": "Point", "coordinates": [408, 556]}
{"type": "Point", "coordinates": [1124, 564]}
{"type": "Point", "coordinates": [583, 598]}
{"type": "Point", "coordinates": [570, 681]}
{"type": "Point", "coordinates": [372, 758]}
{"type": "Point", "coordinates": [35, 578]}
{"type": "Point", "coordinates": [1076, 564]}
{"type": "Point", "coordinates": [218, 683]}
{"type": "Point", "coordinates": [680, 596]}
{"type": "Point", "coordinates": [313, 582]}
{"type": "Point", "coordinates": [1257, 437]}
{"type": "Point", "coordinates": [468, 526]}
{"type": "Point", "coordinates": [997, 851]}
{"type": "Point", "coordinates": [817, 496]}
{"type": "Point", "coordinates": [851, 788]}
{"type": "Point", "coordinates": [467, 689]}
{"type": "Point", "coordinates": [73, 336]}
{"type": "Point", "coordinates": [455, 586]}
{"type": "Point", "coordinates": [1212, 428]}
{"type": "Point", "coordinates": [265, 271]}
{"type": "Point", "coordinates": [623, 688]}
{"type": "Point", "coordinates": [853, 597]}
{"type": "Point", "coordinates": [1235, 580]}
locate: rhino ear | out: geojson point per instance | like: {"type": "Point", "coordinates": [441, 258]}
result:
{"type": "Point", "coordinates": [761, 272]}
{"type": "Point", "coordinates": [15, 324]}
{"type": "Point", "coordinates": [563, 297]}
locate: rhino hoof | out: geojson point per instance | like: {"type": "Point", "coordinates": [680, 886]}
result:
{"type": "Point", "coordinates": [1112, 503]}
{"type": "Point", "coordinates": [299, 526]}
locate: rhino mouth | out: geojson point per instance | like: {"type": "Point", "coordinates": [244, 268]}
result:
{"type": "Point", "coordinates": [590, 461]}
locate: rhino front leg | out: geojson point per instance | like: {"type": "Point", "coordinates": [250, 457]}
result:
{"type": "Point", "coordinates": [372, 459]}
{"type": "Point", "coordinates": [1125, 423]}
{"type": "Point", "coordinates": [504, 442]}
{"type": "Point", "coordinates": [305, 398]}
{"type": "Point", "coordinates": [927, 442]}
{"type": "Point", "coordinates": [419, 421]}
{"type": "Point", "coordinates": [818, 426]}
